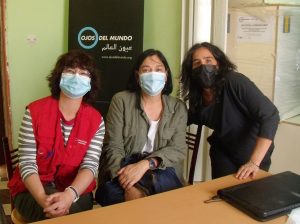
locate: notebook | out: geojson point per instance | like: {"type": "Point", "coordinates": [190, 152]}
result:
{"type": "Point", "coordinates": [266, 198]}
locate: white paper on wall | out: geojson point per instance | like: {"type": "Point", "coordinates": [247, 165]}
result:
{"type": "Point", "coordinates": [287, 79]}
{"type": "Point", "coordinates": [255, 57]}
{"type": "Point", "coordinates": [255, 29]}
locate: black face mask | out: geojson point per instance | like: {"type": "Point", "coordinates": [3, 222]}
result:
{"type": "Point", "coordinates": [205, 75]}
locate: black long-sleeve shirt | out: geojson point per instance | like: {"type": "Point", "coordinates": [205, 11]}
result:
{"type": "Point", "coordinates": [242, 114]}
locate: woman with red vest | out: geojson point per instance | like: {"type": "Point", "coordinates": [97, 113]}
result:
{"type": "Point", "coordinates": [60, 142]}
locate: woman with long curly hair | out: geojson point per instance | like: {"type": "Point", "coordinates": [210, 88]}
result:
{"type": "Point", "coordinates": [243, 120]}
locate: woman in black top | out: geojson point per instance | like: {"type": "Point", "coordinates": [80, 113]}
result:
{"type": "Point", "coordinates": [243, 119]}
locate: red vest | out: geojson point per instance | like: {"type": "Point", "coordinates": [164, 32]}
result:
{"type": "Point", "coordinates": [58, 163]}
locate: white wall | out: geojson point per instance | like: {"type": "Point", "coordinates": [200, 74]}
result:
{"type": "Point", "coordinates": [257, 61]}
{"type": "Point", "coordinates": [286, 153]}
{"type": "Point", "coordinates": [254, 55]}
{"type": "Point", "coordinates": [287, 84]}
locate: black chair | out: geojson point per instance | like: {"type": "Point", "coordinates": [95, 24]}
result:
{"type": "Point", "coordinates": [193, 141]}
{"type": "Point", "coordinates": [11, 157]}
{"type": "Point", "coordinates": [11, 160]}
{"type": "Point", "coordinates": [2, 214]}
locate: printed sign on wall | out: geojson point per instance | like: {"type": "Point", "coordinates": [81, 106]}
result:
{"type": "Point", "coordinates": [111, 31]}
{"type": "Point", "coordinates": [254, 29]}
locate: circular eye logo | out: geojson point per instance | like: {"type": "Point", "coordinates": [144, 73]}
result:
{"type": "Point", "coordinates": [88, 37]}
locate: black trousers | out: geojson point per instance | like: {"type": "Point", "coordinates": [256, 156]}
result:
{"type": "Point", "coordinates": [153, 182]}
{"type": "Point", "coordinates": [32, 211]}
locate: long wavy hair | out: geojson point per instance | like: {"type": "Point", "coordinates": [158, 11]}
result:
{"type": "Point", "coordinates": [191, 91]}
{"type": "Point", "coordinates": [75, 59]}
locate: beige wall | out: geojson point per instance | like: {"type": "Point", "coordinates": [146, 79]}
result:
{"type": "Point", "coordinates": [253, 58]}
{"type": "Point", "coordinates": [257, 61]}
{"type": "Point", "coordinates": [286, 154]}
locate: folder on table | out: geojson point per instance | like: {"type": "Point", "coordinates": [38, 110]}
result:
{"type": "Point", "coordinates": [265, 198]}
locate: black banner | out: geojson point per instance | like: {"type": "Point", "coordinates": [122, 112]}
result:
{"type": "Point", "coordinates": [111, 31]}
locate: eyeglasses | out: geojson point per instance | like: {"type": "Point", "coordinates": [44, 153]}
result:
{"type": "Point", "coordinates": [74, 71]}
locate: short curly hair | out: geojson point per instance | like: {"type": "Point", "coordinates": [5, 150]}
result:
{"type": "Point", "coordinates": [75, 59]}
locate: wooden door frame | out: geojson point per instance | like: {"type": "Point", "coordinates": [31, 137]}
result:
{"type": "Point", "coordinates": [5, 88]}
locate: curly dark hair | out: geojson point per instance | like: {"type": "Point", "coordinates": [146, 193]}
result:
{"type": "Point", "coordinates": [191, 90]}
{"type": "Point", "coordinates": [133, 84]}
{"type": "Point", "coordinates": [75, 59]}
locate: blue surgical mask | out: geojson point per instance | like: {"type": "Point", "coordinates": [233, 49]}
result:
{"type": "Point", "coordinates": [74, 85]}
{"type": "Point", "coordinates": [152, 82]}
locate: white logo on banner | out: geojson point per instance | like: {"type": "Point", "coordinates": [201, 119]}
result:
{"type": "Point", "coordinates": [83, 39]}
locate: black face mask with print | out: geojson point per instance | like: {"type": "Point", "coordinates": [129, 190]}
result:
{"type": "Point", "coordinates": [205, 75]}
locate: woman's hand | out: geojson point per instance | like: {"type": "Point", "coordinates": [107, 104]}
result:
{"type": "Point", "coordinates": [60, 204]}
{"type": "Point", "coordinates": [246, 170]}
{"type": "Point", "coordinates": [131, 174]}
{"type": "Point", "coordinates": [43, 201]}
{"type": "Point", "coordinates": [251, 168]}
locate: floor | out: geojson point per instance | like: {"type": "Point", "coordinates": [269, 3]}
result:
{"type": "Point", "coordinates": [4, 193]}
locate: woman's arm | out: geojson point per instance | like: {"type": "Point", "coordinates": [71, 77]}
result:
{"type": "Point", "coordinates": [252, 166]}
{"type": "Point", "coordinates": [131, 174]}
{"type": "Point", "coordinates": [113, 141]}
{"type": "Point", "coordinates": [62, 201]}
{"type": "Point", "coordinates": [27, 147]}
{"type": "Point", "coordinates": [27, 161]}
{"type": "Point", "coordinates": [255, 105]}
{"type": "Point", "coordinates": [36, 189]}
{"type": "Point", "coordinates": [91, 159]}
{"type": "Point", "coordinates": [261, 110]}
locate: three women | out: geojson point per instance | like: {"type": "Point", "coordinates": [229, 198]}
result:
{"type": "Point", "coordinates": [144, 149]}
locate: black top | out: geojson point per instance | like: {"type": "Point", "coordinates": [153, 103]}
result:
{"type": "Point", "coordinates": [241, 114]}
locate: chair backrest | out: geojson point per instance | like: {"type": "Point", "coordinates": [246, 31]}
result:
{"type": "Point", "coordinates": [11, 157]}
{"type": "Point", "coordinates": [193, 141]}
{"type": "Point", "coordinates": [11, 160]}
